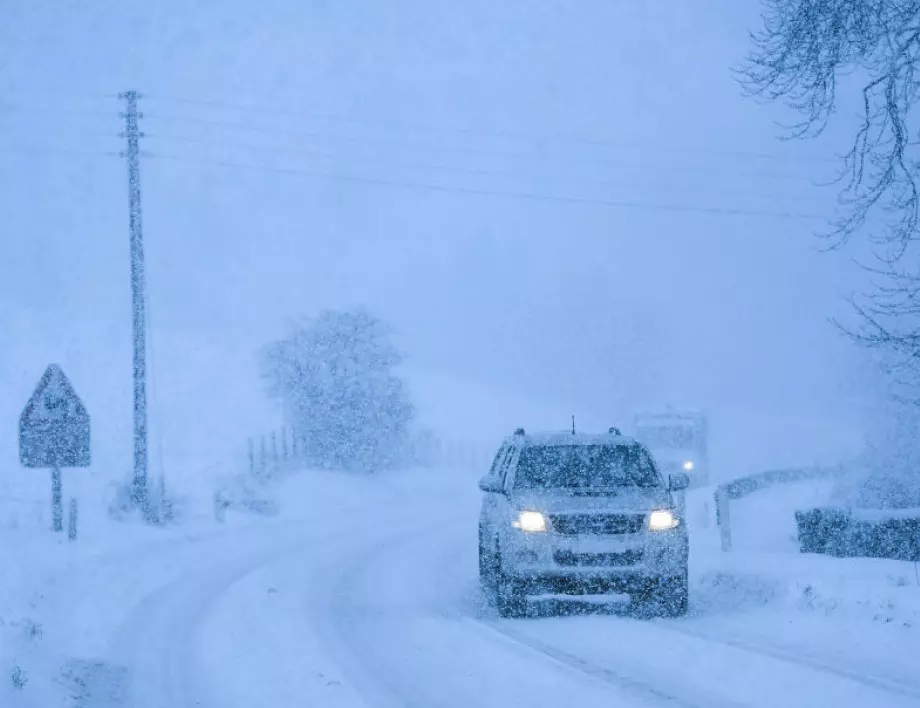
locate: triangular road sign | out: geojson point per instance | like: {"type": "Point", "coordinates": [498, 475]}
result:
{"type": "Point", "coordinates": [54, 429]}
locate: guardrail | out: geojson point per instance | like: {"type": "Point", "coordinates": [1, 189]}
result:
{"type": "Point", "coordinates": [743, 486]}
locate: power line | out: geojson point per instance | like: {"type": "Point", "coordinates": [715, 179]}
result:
{"type": "Point", "coordinates": [54, 150]}
{"type": "Point", "coordinates": [35, 131]}
{"type": "Point", "coordinates": [425, 147]}
{"type": "Point", "coordinates": [386, 142]}
{"type": "Point", "coordinates": [484, 132]}
{"type": "Point", "coordinates": [55, 91]}
{"type": "Point", "coordinates": [529, 196]}
{"type": "Point", "coordinates": [329, 155]}
{"type": "Point", "coordinates": [459, 169]}
{"type": "Point", "coordinates": [53, 110]}
{"type": "Point", "coordinates": [380, 121]}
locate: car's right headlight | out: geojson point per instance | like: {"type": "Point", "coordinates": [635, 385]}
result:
{"type": "Point", "coordinates": [662, 520]}
{"type": "Point", "coordinates": [530, 521]}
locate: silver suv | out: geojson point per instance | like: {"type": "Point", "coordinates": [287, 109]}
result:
{"type": "Point", "coordinates": [581, 514]}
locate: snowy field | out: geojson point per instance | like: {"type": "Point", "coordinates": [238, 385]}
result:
{"type": "Point", "coordinates": [363, 592]}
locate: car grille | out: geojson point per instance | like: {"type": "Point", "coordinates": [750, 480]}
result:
{"type": "Point", "coordinates": [595, 560]}
{"type": "Point", "coordinates": [597, 524]}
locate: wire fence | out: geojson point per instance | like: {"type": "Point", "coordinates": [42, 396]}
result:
{"type": "Point", "coordinates": [283, 450]}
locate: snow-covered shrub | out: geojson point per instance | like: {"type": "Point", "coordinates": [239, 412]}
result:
{"type": "Point", "coordinates": [243, 494]}
{"type": "Point", "coordinates": [121, 505]}
{"type": "Point", "coordinates": [162, 507]}
{"type": "Point", "coordinates": [18, 678]}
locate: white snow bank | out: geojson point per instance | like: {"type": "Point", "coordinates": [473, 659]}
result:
{"type": "Point", "coordinates": [885, 514]}
{"type": "Point", "coordinates": [35, 562]}
{"type": "Point", "coordinates": [765, 569]}
{"type": "Point", "coordinates": [40, 565]}
{"type": "Point", "coordinates": [855, 589]}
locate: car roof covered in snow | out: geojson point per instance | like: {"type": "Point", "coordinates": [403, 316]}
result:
{"type": "Point", "coordinates": [546, 439]}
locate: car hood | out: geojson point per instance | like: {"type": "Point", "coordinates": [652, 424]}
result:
{"type": "Point", "coordinates": [625, 499]}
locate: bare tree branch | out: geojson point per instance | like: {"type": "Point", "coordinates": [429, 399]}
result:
{"type": "Point", "coordinates": [800, 54]}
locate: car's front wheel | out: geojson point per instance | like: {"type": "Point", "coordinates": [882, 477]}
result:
{"type": "Point", "coordinates": [511, 597]}
{"type": "Point", "coordinates": [668, 597]}
{"type": "Point", "coordinates": [487, 571]}
{"type": "Point", "coordinates": [510, 593]}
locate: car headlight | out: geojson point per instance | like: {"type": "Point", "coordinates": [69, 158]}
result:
{"type": "Point", "coordinates": [662, 520]}
{"type": "Point", "coordinates": [530, 521]}
{"type": "Point", "coordinates": [688, 466]}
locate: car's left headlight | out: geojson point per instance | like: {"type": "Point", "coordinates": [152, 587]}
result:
{"type": "Point", "coordinates": [688, 465]}
{"type": "Point", "coordinates": [530, 521]}
{"type": "Point", "coordinates": [662, 520]}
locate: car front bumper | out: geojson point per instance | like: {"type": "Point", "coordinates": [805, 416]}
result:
{"type": "Point", "coordinates": [579, 563]}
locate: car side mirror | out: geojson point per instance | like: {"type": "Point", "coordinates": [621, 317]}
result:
{"type": "Point", "coordinates": [491, 484]}
{"type": "Point", "coordinates": [678, 482]}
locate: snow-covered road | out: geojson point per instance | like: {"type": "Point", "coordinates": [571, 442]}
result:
{"type": "Point", "coordinates": [377, 605]}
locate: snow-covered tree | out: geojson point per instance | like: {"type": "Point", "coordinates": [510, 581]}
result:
{"type": "Point", "coordinates": [335, 378]}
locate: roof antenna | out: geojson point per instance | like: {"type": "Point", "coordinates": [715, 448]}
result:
{"type": "Point", "coordinates": [573, 425]}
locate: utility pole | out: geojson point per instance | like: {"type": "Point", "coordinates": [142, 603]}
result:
{"type": "Point", "coordinates": [138, 307]}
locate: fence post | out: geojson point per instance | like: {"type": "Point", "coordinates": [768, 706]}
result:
{"type": "Point", "coordinates": [263, 455]}
{"type": "Point", "coordinates": [274, 452]}
{"type": "Point", "coordinates": [72, 521]}
{"type": "Point", "coordinates": [724, 518]}
{"type": "Point", "coordinates": [294, 443]}
{"type": "Point", "coordinates": [284, 443]}
{"type": "Point", "coordinates": [252, 457]}
{"type": "Point", "coordinates": [219, 508]}
{"type": "Point", "coordinates": [57, 505]}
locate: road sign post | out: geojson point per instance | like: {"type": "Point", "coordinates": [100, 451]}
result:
{"type": "Point", "coordinates": [54, 432]}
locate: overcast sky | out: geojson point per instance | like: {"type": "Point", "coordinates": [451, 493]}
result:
{"type": "Point", "coordinates": [570, 201]}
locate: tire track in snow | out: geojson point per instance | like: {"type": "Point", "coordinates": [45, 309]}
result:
{"type": "Point", "coordinates": [156, 638]}
{"type": "Point", "coordinates": [338, 630]}
{"type": "Point", "coordinates": [500, 630]}
{"type": "Point", "coordinates": [888, 685]}
{"type": "Point", "coordinates": [666, 692]}
{"type": "Point", "coordinates": [398, 693]}
{"type": "Point", "coordinates": [157, 641]}
{"type": "Point", "coordinates": [159, 635]}
{"type": "Point", "coordinates": [642, 689]}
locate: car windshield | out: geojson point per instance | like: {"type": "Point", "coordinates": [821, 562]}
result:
{"type": "Point", "coordinates": [585, 466]}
